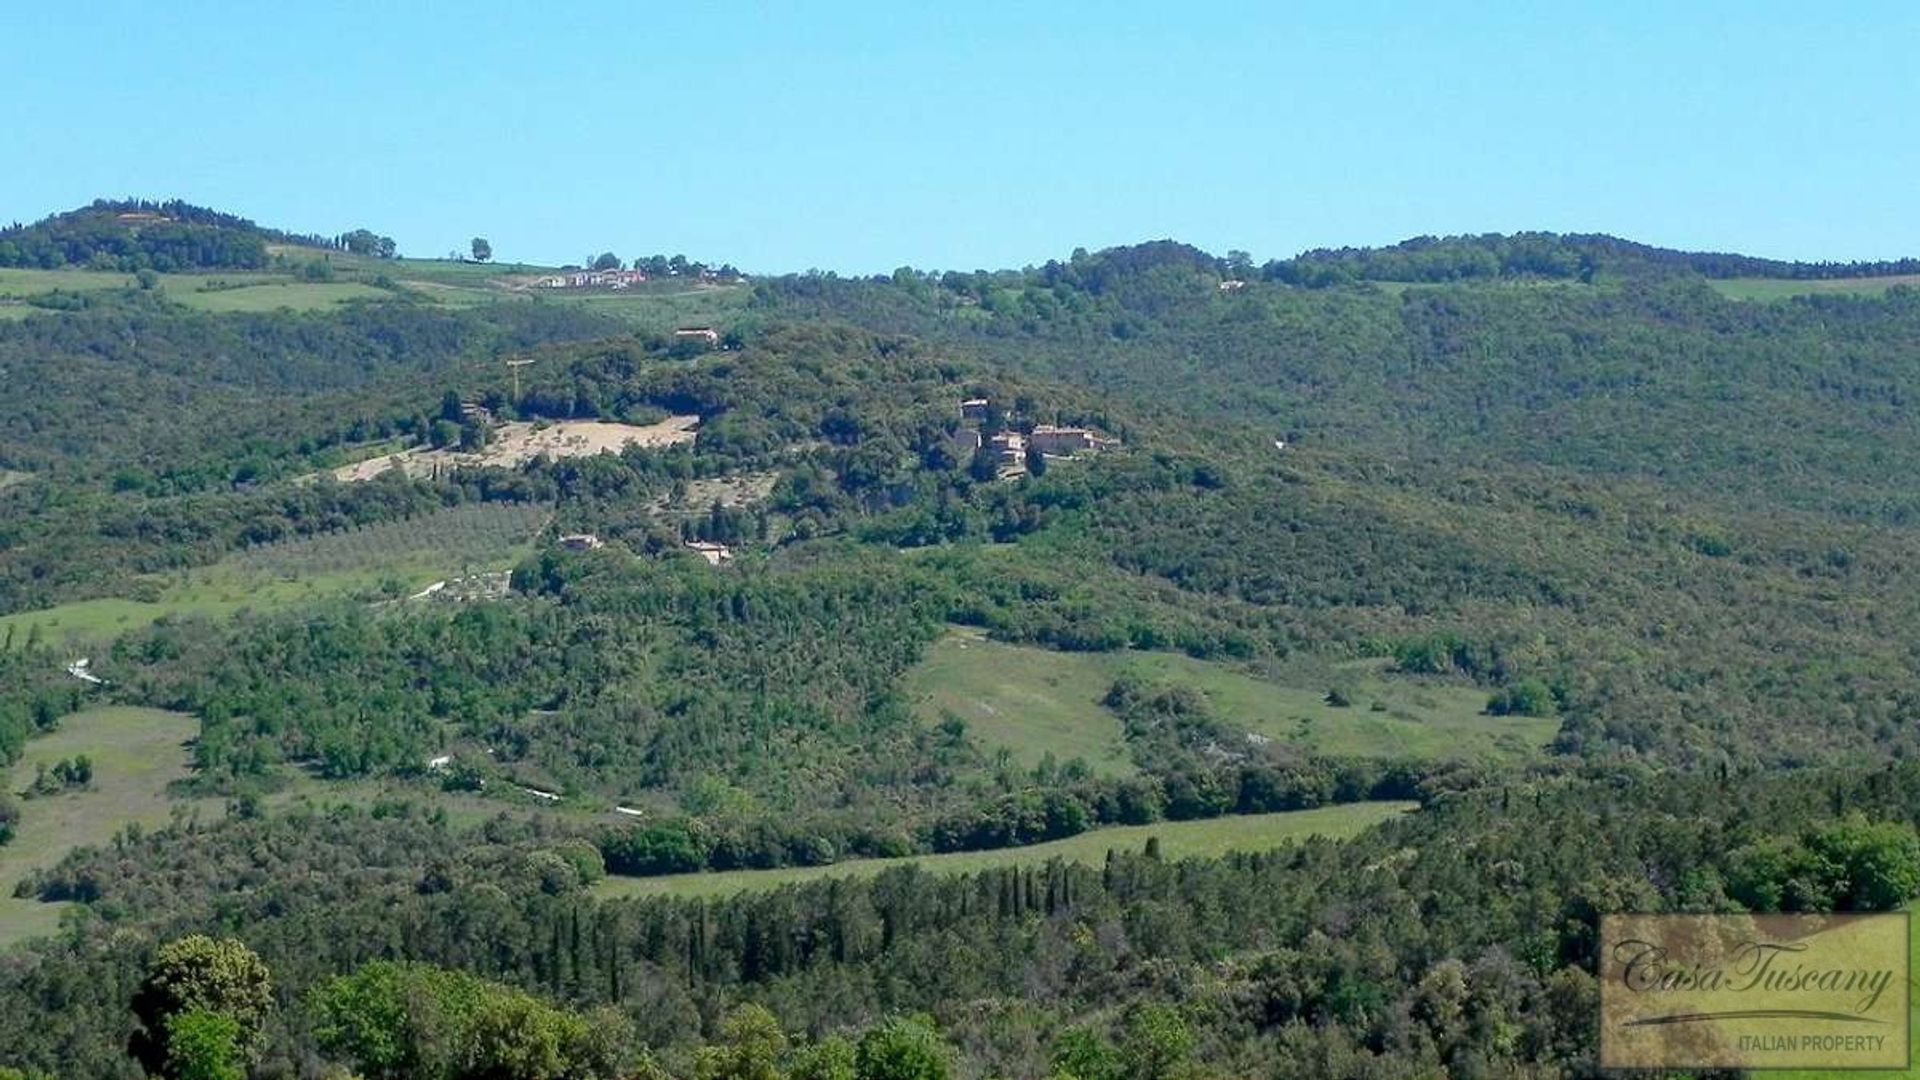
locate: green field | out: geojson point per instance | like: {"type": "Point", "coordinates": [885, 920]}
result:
{"type": "Point", "coordinates": [661, 307]}
{"type": "Point", "coordinates": [1178, 840]}
{"type": "Point", "coordinates": [1036, 702]}
{"type": "Point", "coordinates": [221, 291]}
{"type": "Point", "coordinates": [387, 561]}
{"type": "Point", "coordinates": [1784, 288]}
{"type": "Point", "coordinates": [294, 295]}
{"type": "Point", "coordinates": [653, 306]}
{"type": "Point", "coordinates": [18, 283]}
{"type": "Point", "coordinates": [136, 753]}
{"type": "Point", "coordinates": [458, 273]}
{"type": "Point", "coordinates": [9, 478]}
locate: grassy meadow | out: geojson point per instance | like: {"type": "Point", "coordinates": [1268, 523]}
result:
{"type": "Point", "coordinates": [663, 306]}
{"type": "Point", "coordinates": [18, 283]}
{"type": "Point", "coordinates": [1786, 288]}
{"type": "Point", "coordinates": [1035, 702]}
{"type": "Point", "coordinates": [218, 292]}
{"type": "Point", "coordinates": [136, 753]}
{"type": "Point", "coordinates": [273, 296]}
{"type": "Point", "coordinates": [1178, 840]}
{"type": "Point", "coordinates": [385, 561]}
{"type": "Point", "coordinates": [654, 306]}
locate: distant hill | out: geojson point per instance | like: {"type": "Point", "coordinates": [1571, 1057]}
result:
{"type": "Point", "coordinates": [1547, 255]}
{"type": "Point", "coordinates": [1644, 371]}
{"type": "Point", "coordinates": [136, 234]}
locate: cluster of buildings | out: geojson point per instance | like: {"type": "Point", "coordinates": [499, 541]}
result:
{"type": "Point", "coordinates": [593, 279]}
{"type": "Point", "coordinates": [1010, 447]}
{"type": "Point", "coordinates": [626, 279]}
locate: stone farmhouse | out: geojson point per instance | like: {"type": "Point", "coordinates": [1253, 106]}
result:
{"type": "Point", "coordinates": [1066, 441]}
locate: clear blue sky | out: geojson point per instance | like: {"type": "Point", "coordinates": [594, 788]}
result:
{"type": "Point", "coordinates": [962, 135]}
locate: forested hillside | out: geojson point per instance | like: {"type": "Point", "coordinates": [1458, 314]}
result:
{"type": "Point", "coordinates": [450, 665]}
{"type": "Point", "coordinates": [158, 396]}
{"type": "Point", "coordinates": [136, 234]}
{"type": "Point", "coordinates": [1547, 256]}
{"type": "Point", "coordinates": [1460, 939]}
{"type": "Point", "coordinates": [1645, 376]}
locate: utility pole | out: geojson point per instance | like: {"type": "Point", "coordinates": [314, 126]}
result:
{"type": "Point", "coordinates": [514, 367]}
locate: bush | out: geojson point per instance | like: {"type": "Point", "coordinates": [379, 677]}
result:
{"type": "Point", "coordinates": [669, 847]}
{"type": "Point", "coordinates": [1528, 697]}
{"type": "Point", "coordinates": [902, 1049]}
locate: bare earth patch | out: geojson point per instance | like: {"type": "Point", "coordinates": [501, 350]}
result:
{"type": "Point", "coordinates": [517, 443]}
{"type": "Point", "coordinates": [743, 489]}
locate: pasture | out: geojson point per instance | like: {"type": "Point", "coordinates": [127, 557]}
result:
{"type": "Point", "coordinates": [222, 291]}
{"type": "Point", "coordinates": [385, 561]}
{"type": "Point", "coordinates": [655, 306]}
{"type": "Point", "coordinates": [276, 295]}
{"type": "Point", "coordinates": [1786, 288]}
{"type": "Point", "coordinates": [18, 283]}
{"type": "Point", "coordinates": [454, 273]}
{"type": "Point", "coordinates": [1034, 702]}
{"type": "Point", "coordinates": [661, 306]}
{"type": "Point", "coordinates": [1178, 840]}
{"type": "Point", "coordinates": [136, 753]}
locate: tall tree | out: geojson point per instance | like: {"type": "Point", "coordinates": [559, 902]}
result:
{"type": "Point", "coordinates": [198, 974]}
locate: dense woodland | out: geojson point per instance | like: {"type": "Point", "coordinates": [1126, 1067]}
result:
{"type": "Point", "coordinates": [1560, 471]}
{"type": "Point", "coordinates": [1458, 939]}
{"type": "Point", "coordinates": [130, 235]}
{"type": "Point", "coordinates": [1546, 256]}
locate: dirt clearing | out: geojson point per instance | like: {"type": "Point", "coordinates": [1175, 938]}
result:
{"type": "Point", "coordinates": [517, 443]}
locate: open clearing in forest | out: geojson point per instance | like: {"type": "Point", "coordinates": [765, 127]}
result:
{"type": "Point", "coordinates": [657, 306]}
{"type": "Point", "coordinates": [238, 290]}
{"type": "Point", "coordinates": [136, 753]}
{"type": "Point", "coordinates": [272, 296]}
{"type": "Point", "coordinates": [739, 489]}
{"type": "Point", "coordinates": [1178, 840]}
{"type": "Point", "coordinates": [1784, 288]}
{"type": "Point", "coordinates": [517, 443]}
{"type": "Point", "coordinates": [1035, 702]}
{"type": "Point", "coordinates": [660, 309]}
{"type": "Point", "coordinates": [389, 560]}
